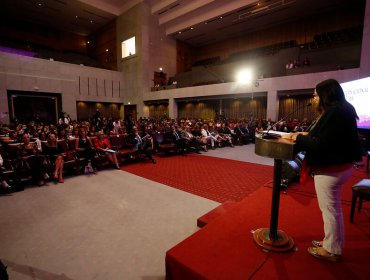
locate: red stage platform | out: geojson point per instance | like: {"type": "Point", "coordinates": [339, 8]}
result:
{"type": "Point", "coordinates": [225, 248]}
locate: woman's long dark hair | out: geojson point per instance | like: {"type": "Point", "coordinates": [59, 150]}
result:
{"type": "Point", "coordinates": [331, 95]}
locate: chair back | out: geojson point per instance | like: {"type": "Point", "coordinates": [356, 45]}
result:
{"type": "Point", "coordinates": [158, 137]}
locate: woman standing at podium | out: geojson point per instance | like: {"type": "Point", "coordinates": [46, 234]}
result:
{"type": "Point", "coordinates": [331, 146]}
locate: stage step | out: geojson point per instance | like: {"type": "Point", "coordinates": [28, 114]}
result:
{"type": "Point", "coordinates": [215, 213]}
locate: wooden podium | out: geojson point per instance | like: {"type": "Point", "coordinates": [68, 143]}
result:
{"type": "Point", "coordinates": [279, 149]}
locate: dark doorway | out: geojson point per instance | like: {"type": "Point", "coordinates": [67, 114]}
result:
{"type": "Point", "coordinates": [131, 109]}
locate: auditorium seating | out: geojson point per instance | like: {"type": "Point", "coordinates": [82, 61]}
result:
{"type": "Point", "coordinates": [125, 150]}
{"type": "Point", "coordinates": [164, 143]}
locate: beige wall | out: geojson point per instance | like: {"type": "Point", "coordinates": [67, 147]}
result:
{"type": "Point", "coordinates": [74, 82]}
{"type": "Point", "coordinates": [153, 50]}
{"type": "Point", "coordinates": [269, 86]}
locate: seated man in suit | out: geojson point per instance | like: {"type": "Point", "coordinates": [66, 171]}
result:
{"type": "Point", "coordinates": [191, 140]}
{"type": "Point", "coordinates": [142, 143]}
{"type": "Point", "coordinates": [178, 139]}
{"type": "Point", "coordinates": [242, 138]}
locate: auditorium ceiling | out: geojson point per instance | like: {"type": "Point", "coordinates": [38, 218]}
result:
{"type": "Point", "coordinates": [196, 22]}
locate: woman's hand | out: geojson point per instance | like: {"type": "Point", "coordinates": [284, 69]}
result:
{"type": "Point", "coordinates": [293, 136]}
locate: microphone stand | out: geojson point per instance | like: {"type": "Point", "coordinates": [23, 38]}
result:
{"type": "Point", "coordinates": [267, 135]}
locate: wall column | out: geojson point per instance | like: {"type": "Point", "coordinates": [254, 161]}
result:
{"type": "Point", "coordinates": [172, 108]}
{"type": "Point", "coordinates": [365, 54]}
{"type": "Point", "coordinates": [272, 105]}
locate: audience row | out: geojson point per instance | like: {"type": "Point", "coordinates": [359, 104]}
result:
{"type": "Point", "coordinates": [45, 152]}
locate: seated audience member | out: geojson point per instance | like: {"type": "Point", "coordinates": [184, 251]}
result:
{"type": "Point", "coordinates": [283, 126]}
{"type": "Point", "coordinates": [206, 134]}
{"type": "Point", "coordinates": [103, 145]}
{"type": "Point", "coordinates": [116, 126]}
{"type": "Point", "coordinates": [92, 131]}
{"type": "Point", "coordinates": [142, 143]}
{"type": "Point", "coordinates": [241, 137]}
{"type": "Point", "coordinates": [191, 140]}
{"type": "Point", "coordinates": [269, 124]}
{"type": "Point", "coordinates": [37, 141]}
{"type": "Point", "coordinates": [62, 134]}
{"type": "Point", "coordinates": [227, 134]}
{"type": "Point", "coordinates": [69, 133]}
{"type": "Point", "coordinates": [3, 183]}
{"type": "Point", "coordinates": [30, 155]}
{"type": "Point", "coordinates": [196, 131]}
{"type": "Point", "coordinates": [75, 133]}
{"type": "Point", "coordinates": [86, 149]}
{"type": "Point", "coordinates": [56, 154]}
{"type": "Point", "coordinates": [177, 139]}
{"type": "Point", "coordinates": [245, 129]}
{"type": "Point", "coordinates": [43, 136]}
{"type": "Point", "coordinates": [221, 140]}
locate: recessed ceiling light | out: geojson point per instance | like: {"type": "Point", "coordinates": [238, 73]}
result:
{"type": "Point", "coordinates": [91, 21]}
{"type": "Point", "coordinates": [107, 50]}
{"type": "Point", "coordinates": [39, 4]}
{"type": "Point", "coordinates": [76, 16]}
{"type": "Point", "coordinates": [179, 32]}
{"type": "Point", "coordinates": [220, 17]}
{"type": "Point", "coordinates": [191, 28]}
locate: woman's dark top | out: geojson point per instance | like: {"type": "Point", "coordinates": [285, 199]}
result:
{"type": "Point", "coordinates": [53, 151]}
{"type": "Point", "coordinates": [84, 143]}
{"type": "Point", "coordinates": [333, 140]}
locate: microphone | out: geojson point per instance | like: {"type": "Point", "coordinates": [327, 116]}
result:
{"type": "Point", "coordinates": [268, 135]}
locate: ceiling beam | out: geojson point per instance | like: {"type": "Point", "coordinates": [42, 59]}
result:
{"type": "Point", "coordinates": [102, 5]}
{"type": "Point", "coordinates": [222, 7]}
{"type": "Point", "coordinates": [162, 5]}
{"type": "Point", "coordinates": [183, 9]}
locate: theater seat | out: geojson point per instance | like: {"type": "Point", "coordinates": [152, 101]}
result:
{"type": "Point", "coordinates": [360, 190]}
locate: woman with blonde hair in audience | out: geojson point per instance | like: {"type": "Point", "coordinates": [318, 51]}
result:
{"type": "Point", "coordinates": [56, 153]}
{"type": "Point", "coordinates": [103, 145]}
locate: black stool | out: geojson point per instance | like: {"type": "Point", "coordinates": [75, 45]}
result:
{"type": "Point", "coordinates": [361, 190]}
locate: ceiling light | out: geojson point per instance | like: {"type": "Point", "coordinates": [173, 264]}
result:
{"type": "Point", "coordinates": [179, 32]}
{"type": "Point", "coordinates": [39, 4]}
{"type": "Point", "coordinates": [91, 21]}
{"type": "Point", "coordinates": [107, 50]}
{"type": "Point", "coordinates": [220, 17]}
{"type": "Point", "coordinates": [76, 16]}
{"type": "Point", "coordinates": [191, 28]}
{"type": "Point", "coordinates": [244, 76]}
{"type": "Point", "coordinates": [206, 23]}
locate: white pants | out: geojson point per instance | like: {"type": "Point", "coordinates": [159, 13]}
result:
{"type": "Point", "coordinates": [212, 139]}
{"type": "Point", "coordinates": [328, 187]}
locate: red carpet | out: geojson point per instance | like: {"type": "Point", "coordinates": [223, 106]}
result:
{"type": "Point", "coordinates": [225, 249]}
{"type": "Point", "coordinates": [209, 177]}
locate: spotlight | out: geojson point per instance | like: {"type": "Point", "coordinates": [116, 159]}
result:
{"type": "Point", "coordinates": [244, 76]}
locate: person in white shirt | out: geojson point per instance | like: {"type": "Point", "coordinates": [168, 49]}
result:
{"type": "Point", "coordinates": [3, 183]}
{"type": "Point", "coordinates": [208, 136]}
{"type": "Point", "coordinates": [116, 126]}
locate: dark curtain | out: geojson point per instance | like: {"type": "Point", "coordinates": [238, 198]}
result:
{"type": "Point", "coordinates": [296, 105]}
